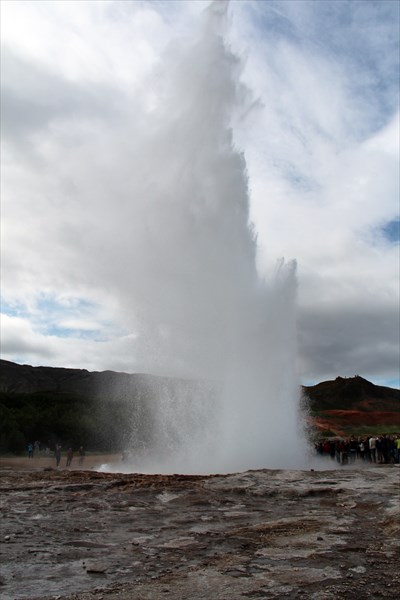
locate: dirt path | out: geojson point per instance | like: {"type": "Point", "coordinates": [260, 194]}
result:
{"type": "Point", "coordinates": [91, 462]}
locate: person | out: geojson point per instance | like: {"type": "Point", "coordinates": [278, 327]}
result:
{"type": "Point", "coordinates": [361, 448]}
{"type": "Point", "coordinates": [385, 449]}
{"type": "Point", "coordinates": [57, 454]}
{"type": "Point", "coordinates": [70, 455]}
{"type": "Point", "coordinates": [37, 448]}
{"type": "Point", "coordinates": [30, 450]}
{"type": "Point", "coordinates": [397, 450]}
{"type": "Point", "coordinates": [343, 453]}
{"type": "Point", "coordinates": [353, 449]}
{"type": "Point", "coordinates": [81, 455]}
{"type": "Point", "coordinates": [378, 446]}
{"type": "Point", "coordinates": [372, 448]}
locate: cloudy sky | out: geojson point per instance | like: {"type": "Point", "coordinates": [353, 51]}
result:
{"type": "Point", "coordinates": [90, 91]}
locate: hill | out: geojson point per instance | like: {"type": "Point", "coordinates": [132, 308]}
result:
{"type": "Point", "coordinates": [24, 379]}
{"type": "Point", "coordinates": [350, 405]}
{"type": "Point", "coordinates": [103, 410]}
{"type": "Point", "coordinates": [100, 410]}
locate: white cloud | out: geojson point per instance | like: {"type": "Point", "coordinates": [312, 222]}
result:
{"type": "Point", "coordinates": [83, 151]}
{"type": "Point", "coordinates": [88, 42]}
{"type": "Point", "coordinates": [27, 345]}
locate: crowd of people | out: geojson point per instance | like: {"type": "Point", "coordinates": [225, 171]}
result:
{"type": "Point", "coordinates": [35, 449]}
{"type": "Point", "coordinates": [381, 449]}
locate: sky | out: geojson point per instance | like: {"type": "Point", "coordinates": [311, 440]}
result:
{"type": "Point", "coordinates": [83, 86]}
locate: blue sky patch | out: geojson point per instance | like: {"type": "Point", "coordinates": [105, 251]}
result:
{"type": "Point", "coordinates": [392, 231]}
{"type": "Point", "coordinates": [56, 316]}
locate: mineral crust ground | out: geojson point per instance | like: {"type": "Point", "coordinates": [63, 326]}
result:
{"type": "Point", "coordinates": [86, 535]}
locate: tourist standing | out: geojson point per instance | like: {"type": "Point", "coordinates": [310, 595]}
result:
{"type": "Point", "coordinates": [361, 449]}
{"type": "Point", "coordinates": [378, 445]}
{"type": "Point", "coordinates": [70, 455]}
{"type": "Point", "coordinates": [372, 448]}
{"type": "Point", "coordinates": [37, 448]}
{"type": "Point", "coordinates": [397, 450]}
{"type": "Point", "coordinates": [57, 454]}
{"type": "Point", "coordinates": [81, 455]}
{"type": "Point", "coordinates": [30, 450]}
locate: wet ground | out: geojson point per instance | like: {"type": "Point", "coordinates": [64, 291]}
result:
{"type": "Point", "coordinates": [261, 534]}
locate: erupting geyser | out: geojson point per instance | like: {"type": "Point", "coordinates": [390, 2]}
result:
{"type": "Point", "coordinates": [201, 310]}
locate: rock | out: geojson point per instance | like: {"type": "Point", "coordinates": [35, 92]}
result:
{"type": "Point", "coordinates": [96, 568]}
{"type": "Point", "coordinates": [359, 569]}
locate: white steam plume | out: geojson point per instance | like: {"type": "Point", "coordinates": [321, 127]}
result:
{"type": "Point", "coordinates": [199, 307]}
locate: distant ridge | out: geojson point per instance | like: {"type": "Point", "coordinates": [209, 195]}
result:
{"type": "Point", "coordinates": [340, 393]}
{"type": "Point", "coordinates": [25, 379]}
{"type": "Point", "coordinates": [348, 392]}
{"type": "Point", "coordinates": [336, 407]}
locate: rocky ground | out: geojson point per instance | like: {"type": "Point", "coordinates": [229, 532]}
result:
{"type": "Point", "coordinates": [81, 535]}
